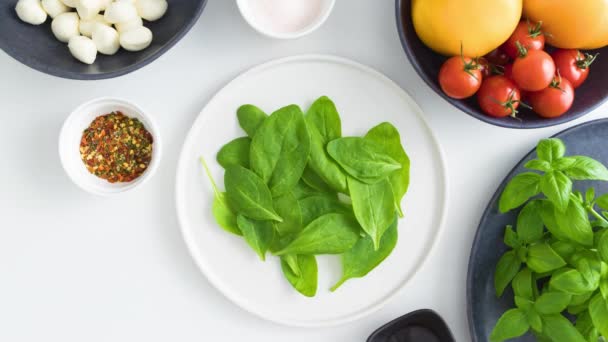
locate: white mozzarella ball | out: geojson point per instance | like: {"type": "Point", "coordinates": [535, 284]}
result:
{"type": "Point", "coordinates": [70, 3]}
{"type": "Point", "coordinates": [105, 4]}
{"type": "Point", "coordinates": [151, 10]}
{"type": "Point", "coordinates": [131, 1]}
{"type": "Point", "coordinates": [120, 12]}
{"type": "Point", "coordinates": [106, 39]}
{"type": "Point", "coordinates": [54, 7]}
{"type": "Point", "coordinates": [136, 39]}
{"type": "Point", "coordinates": [87, 9]}
{"type": "Point", "coordinates": [83, 49]}
{"type": "Point", "coordinates": [129, 25]}
{"type": "Point", "coordinates": [30, 11]}
{"type": "Point", "coordinates": [87, 26]}
{"type": "Point", "coordinates": [65, 26]}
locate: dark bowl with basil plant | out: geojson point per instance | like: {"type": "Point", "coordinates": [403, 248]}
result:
{"type": "Point", "coordinates": [427, 64]}
{"type": "Point", "coordinates": [36, 47]}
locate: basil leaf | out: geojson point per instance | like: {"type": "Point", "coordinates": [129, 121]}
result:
{"type": "Point", "coordinates": [312, 179]}
{"type": "Point", "coordinates": [250, 118]}
{"type": "Point", "coordinates": [598, 310]}
{"type": "Point", "coordinates": [589, 195]}
{"type": "Point", "coordinates": [306, 281]}
{"type": "Point", "coordinates": [542, 258]}
{"type": "Point", "coordinates": [374, 207]}
{"type": "Point", "coordinates": [547, 213]}
{"type": "Point", "coordinates": [570, 281]}
{"type": "Point", "coordinates": [585, 168]}
{"type": "Point", "coordinates": [523, 284]}
{"type": "Point", "coordinates": [507, 268]}
{"type": "Point", "coordinates": [511, 324]}
{"type": "Point", "coordinates": [328, 234]}
{"type": "Point", "coordinates": [280, 149]}
{"type": "Point", "coordinates": [557, 187]}
{"type": "Point", "coordinates": [536, 322]}
{"type": "Point", "coordinates": [388, 138]}
{"type": "Point", "coordinates": [324, 125]}
{"type": "Point", "coordinates": [585, 326]}
{"type": "Point", "coordinates": [519, 190]}
{"type": "Point", "coordinates": [511, 239]}
{"type": "Point", "coordinates": [288, 208]}
{"type": "Point", "coordinates": [604, 288]}
{"type": "Point", "coordinates": [552, 302]}
{"type": "Point", "coordinates": [248, 194]}
{"type": "Point", "coordinates": [530, 225]}
{"type": "Point", "coordinates": [223, 214]}
{"type": "Point", "coordinates": [257, 234]}
{"type": "Point", "coordinates": [565, 249]}
{"type": "Point", "coordinates": [550, 149]}
{"type": "Point", "coordinates": [363, 258]}
{"type": "Point", "coordinates": [315, 206]}
{"type": "Point", "coordinates": [602, 201]}
{"type": "Point", "coordinates": [362, 159]}
{"type": "Point", "coordinates": [559, 329]}
{"type": "Point", "coordinates": [538, 165]}
{"type": "Point", "coordinates": [523, 303]}
{"type": "Point", "coordinates": [574, 222]}
{"type": "Point", "coordinates": [235, 152]}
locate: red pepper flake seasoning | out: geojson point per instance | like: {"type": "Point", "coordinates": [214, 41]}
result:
{"type": "Point", "coordinates": [116, 147]}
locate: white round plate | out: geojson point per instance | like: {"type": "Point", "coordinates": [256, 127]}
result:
{"type": "Point", "coordinates": [364, 98]}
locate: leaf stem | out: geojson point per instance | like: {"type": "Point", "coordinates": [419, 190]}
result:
{"type": "Point", "coordinates": [215, 190]}
{"type": "Point", "coordinates": [596, 214]}
{"type": "Point", "coordinates": [338, 284]}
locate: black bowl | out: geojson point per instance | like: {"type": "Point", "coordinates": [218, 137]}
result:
{"type": "Point", "coordinates": [427, 64]}
{"type": "Point", "coordinates": [36, 47]}
{"type": "Point", "coordinates": [418, 326]}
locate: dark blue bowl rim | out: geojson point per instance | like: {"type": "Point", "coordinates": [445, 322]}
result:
{"type": "Point", "coordinates": [486, 213]}
{"type": "Point", "coordinates": [458, 104]}
{"type": "Point", "coordinates": [50, 70]}
{"type": "Point", "coordinates": [440, 321]}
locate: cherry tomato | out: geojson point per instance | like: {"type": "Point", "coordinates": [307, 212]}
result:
{"type": "Point", "coordinates": [508, 71]}
{"type": "Point", "coordinates": [499, 97]}
{"type": "Point", "coordinates": [554, 100]}
{"type": "Point", "coordinates": [498, 57]}
{"type": "Point", "coordinates": [460, 77]}
{"type": "Point", "coordinates": [533, 70]}
{"type": "Point", "coordinates": [528, 35]}
{"type": "Point", "coordinates": [573, 65]}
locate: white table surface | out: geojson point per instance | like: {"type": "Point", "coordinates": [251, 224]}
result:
{"type": "Point", "coordinates": [75, 267]}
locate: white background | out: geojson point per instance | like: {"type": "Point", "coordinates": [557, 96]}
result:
{"type": "Point", "coordinates": [74, 267]}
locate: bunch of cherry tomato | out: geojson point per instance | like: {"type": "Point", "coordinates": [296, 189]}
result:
{"type": "Point", "coordinates": [519, 73]}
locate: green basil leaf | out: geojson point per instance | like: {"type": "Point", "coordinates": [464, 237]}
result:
{"type": "Point", "coordinates": [363, 258]}
{"type": "Point", "coordinates": [557, 187]}
{"type": "Point", "coordinates": [585, 326]}
{"type": "Point", "coordinates": [248, 194]}
{"type": "Point", "coordinates": [559, 329]}
{"type": "Point", "coordinates": [604, 288]}
{"type": "Point", "coordinates": [223, 214]}
{"type": "Point", "coordinates": [523, 284]}
{"type": "Point", "coordinates": [250, 118]}
{"type": "Point", "coordinates": [552, 302]}
{"type": "Point", "coordinates": [530, 225]}
{"type": "Point", "coordinates": [328, 234]}
{"type": "Point", "coordinates": [388, 138]}
{"type": "Point", "coordinates": [574, 222]}
{"type": "Point", "coordinates": [312, 179]}
{"type": "Point", "coordinates": [315, 206]}
{"type": "Point", "coordinates": [511, 324]}
{"type": "Point", "coordinates": [306, 281]}
{"type": "Point", "coordinates": [562, 163]}
{"type": "Point", "coordinates": [550, 149]}
{"type": "Point", "coordinates": [523, 303]}
{"type": "Point", "coordinates": [280, 149]}
{"type": "Point", "coordinates": [507, 268]}
{"type": "Point", "coordinates": [570, 281]}
{"type": "Point", "coordinates": [598, 310]}
{"type": "Point", "coordinates": [585, 168]}
{"type": "Point", "coordinates": [288, 208]}
{"type": "Point", "coordinates": [235, 152]}
{"type": "Point", "coordinates": [324, 125]}
{"type": "Point", "coordinates": [536, 322]}
{"type": "Point", "coordinates": [511, 239]}
{"type": "Point", "coordinates": [257, 234]}
{"type": "Point", "coordinates": [538, 165]}
{"type": "Point", "coordinates": [565, 249]}
{"type": "Point", "coordinates": [362, 159]}
{"type": "Point", "coordinates": [547, 213]}
{"type": "Point", "coordinates": [519, 190]}
{"type": "Point", "coordinates": [602, 201]}
{"type": "Point", "coordinates": [374, 207]}
{"type": "Point", "coordinates": [542, 258]}
{"type": "Point", "coordinates": [589, 195]}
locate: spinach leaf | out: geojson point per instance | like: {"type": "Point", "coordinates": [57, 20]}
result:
{"type": "Point", "coordinates": [374, 207]}
{"type": "Point", "coordinates": [288, 208]}
{"type": "Point", "coordinates": [250, 118]}
{"type": "Point", "coordinates": [507, 268]}
{"type": "Point", "coordinates": [557, 187]}
{"type": "Point", "coordinates": [388, 138]}
{"type": "Point", "coordinates": [362, 159]}
{"type": "Point", "coordinates": [550, 149]}
{"type": "Point", "coordinates": [324, 124]}
{"type": "Point", "coordinates": [292, 262]}
{"type": "Point", "coordinates": [315, 206]}
{"type": "Point", "coordinates": [328, 234]}
{"type": "Point", "coordinates": [302, 190]}
{"type": "Point", "coordinates": [248, 194]}
{"type": "Point", "coordinates": [312, 179]}
{"type": "Point", "coordinates": [363, 258]}
{"type": "Point", "coordinates": [519, 190]}
{"type": "Point", "coordinates": [280, 149]}
{"type": "Point", "coordinates": [235, 152]}
{"type": "Point", "coordinates": [511, 324]}
{"type": "Point", "coordinates": [585, 168]}
{"type": "Point", "coordinates": [223, 214]}
{"type": "Point", "coordinates": [306, 281]}
{"type": "Point", "coordinates": [258, 234]}
{"type": "Point", "coordinates": [530, 225]}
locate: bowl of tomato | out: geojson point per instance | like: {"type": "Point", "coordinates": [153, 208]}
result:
{"type": "Point", "coordinates": [523, 84]}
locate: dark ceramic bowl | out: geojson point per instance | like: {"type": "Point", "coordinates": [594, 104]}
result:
{"type": "Point", "coordinates": [427, 64]}
{"type": "Point", "coordinates": [483, 307]}
{"type": "Point", "coordinates": [36, 47]}
{"type": "Point", "coordinates": [418, 326]}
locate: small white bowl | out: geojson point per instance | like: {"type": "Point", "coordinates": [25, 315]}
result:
{"type": "Point", "coordinates": [249, 16]}
{"type": "Point", "coordinates": [71, 134]}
